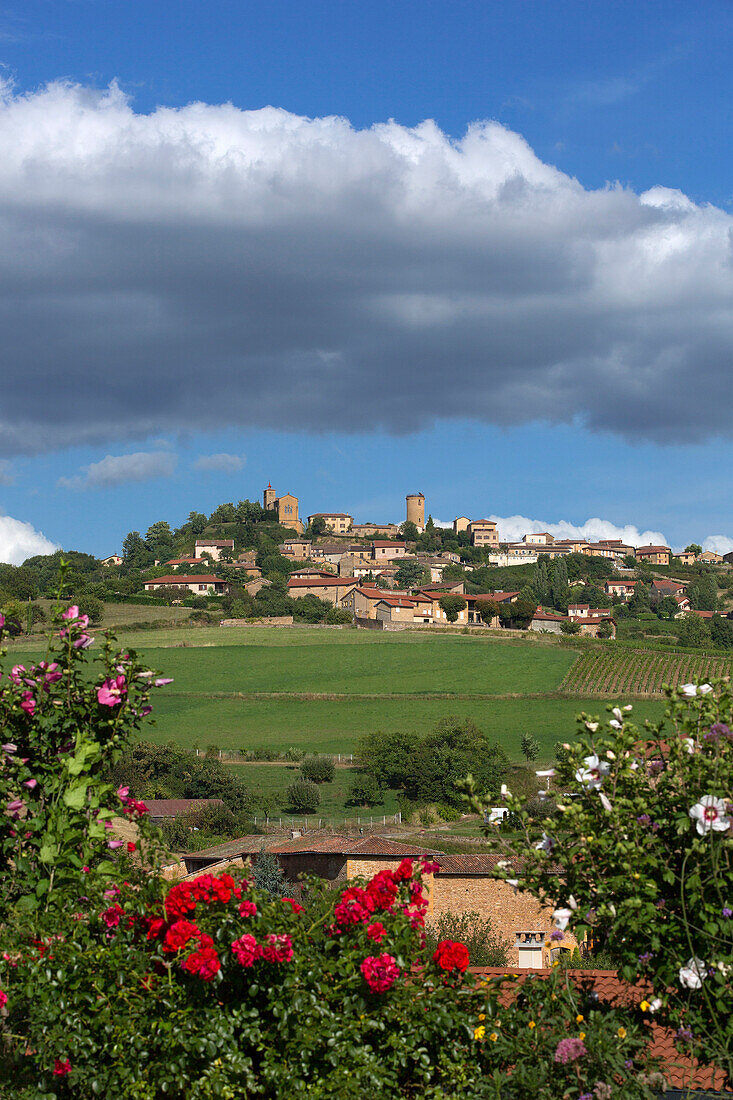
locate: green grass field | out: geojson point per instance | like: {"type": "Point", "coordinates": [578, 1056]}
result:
{"type": "Point", "coordinates": [271, 781]}
{"type": "Point", "coordinates": [254, 687]}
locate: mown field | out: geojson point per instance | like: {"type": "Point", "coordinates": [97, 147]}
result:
{"type": "Point", "coordinates": [320, 689]}
{"type": "Point", "coordinates": [640, 672]}
{"type": "Point", "coordinates": [272, 781]}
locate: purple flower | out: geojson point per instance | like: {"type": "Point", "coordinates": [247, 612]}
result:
{"type": "Point", "coordinates": [15, 805]}
{"type": "Point", "coordinates": [83, 641]}
{"type": "Point", "coordinates": [556, 934]}
{"type": "Point", "coordinates": [9, 748]}
{"type": "Point", "coordinates": [645, 958]}
{"type": "Point", "coordinates": [718, 730]}
{"type": "Point", "coordinates": [684, 1033]}
{"type": "Point", "coordinates": [569, 1050]}
{"type": "Point", "coordinates": [727, 912]}
{"type": "Point", "coordinates": [114, 844]}
{"type": "Point", "coordinates": [655, 767]}
{"type": "Point", "coordinates": [644, 819]}
{"type": "Point", "coordinates": [628, 1064]}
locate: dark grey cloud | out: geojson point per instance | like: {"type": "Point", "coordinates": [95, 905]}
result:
{"type": "Point", "coordinates": [206, 267]}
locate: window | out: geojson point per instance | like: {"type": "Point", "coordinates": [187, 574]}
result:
{"type": "Point", "coordinates": [529, 947]}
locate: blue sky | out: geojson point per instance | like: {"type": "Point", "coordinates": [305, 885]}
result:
{"type": "Point", "coordinates": [628, 421]}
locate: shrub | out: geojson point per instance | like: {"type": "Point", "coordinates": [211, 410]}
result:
{"type": "Point", "coordinates": [319, 769]}
{"type": "Point", "coordinates": [476, 932]}
{"type": "Point", "coordinates": [365, 791]}
{"type": "Point", "coordinates": [303, 796]}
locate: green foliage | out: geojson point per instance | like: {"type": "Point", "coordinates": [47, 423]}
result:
{"type": "Point", "coordinates": [570, 626]}
{"type": "Point", "coordinates": [721, 632]}
{"type": "Point", "coordinates": [605, 630]}
{"type": "Point", "coordinates": [487, 609]}
{"type": "Point", "coordinates": [693, 631]}
{"type": "Point", "coordinates": [166, 771]}
{"type": "Point", "coordinates": [409, 531]}
{"type": "Point", "coordinates": [317, 527]}
{"type": "Point", "coordinates": [303, 796]}
{"type": "Point", "coordinates": [365, 791]}
{"type": "Point", "coordinates": [319, 769]}
{"type": "Point", "coordinates": [452, 605]}
{"type": "Point", "coordinates": [646, 856]}
{"type": "Point", "coordinates": [411, 574]}
{"type": "Point", "coordinates": [530, 747]}
{"type": "Point", "coordinates": [693, 548]}
{"type": "Point", "coordinates": [268, 874]}
{"type": "Point", "coordinates": [703, 594]}
{"type": "Point", "coordinates": [427, 768]}
{"type": "Point", "coordinates": [485, 948]}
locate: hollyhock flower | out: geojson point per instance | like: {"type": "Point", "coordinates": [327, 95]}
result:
{"type": "Point", "coordinates": [710, 813]}
{"type": "Point", "coordinates": [15, 673]}
{"type": "Point", "coordinates": [123, 793]}
{"type": "Point", "coordinates": [16, 805]}
{"type": "Point", "coordinates": [277, 949]}
{"type": "Point", "coordinates": [70, 613]}
{"type": "Point", "coordinates": [297, 909]}
{"type": "Point", "coordinates": [693, 973]}
{"type": "Point", "coordinates": [114, 844]}
{"type": "Point", "coordinates": [162, 681]}
{"type": "Point", "coordinates": [451, 955]}
{"type": "Point", "coordinates": [605, 802]}
{"type": "Point", "coordinates": [592, 774]}
{"type": "Point", "coordinates": [204, 963]}
{"type": "Point", "coordinates": [246, 950]}
{"type": "Point", "coordinates": [9, 748]}
{"type": "Point", "coordinates": [3, 998]}
{"type": "Point", "coordinates": [112, 692]}
{"type": "Point", "coordinates": [30, 784]}
{"type": "Point", "coordinates": [380, 972]}
{"type": "Point", "coordinates": [569, 1050]}
{"type": "Point", "coordinates": [705, 689]}
{"type": "Point", "coordinates": [28, 703]}
{"type": "Point", "coordinates": [179, 934]}
{"type": "Point", "coordinates": [248, 909]}
{"type": "Point", "coordinates": [689, 690]}
{"type": "Point", "coordinates": [61, 1069]}
{"type": "Point", "coordinates": [376, 931]}
{"type": "Point", "coordinates": [83, 641]}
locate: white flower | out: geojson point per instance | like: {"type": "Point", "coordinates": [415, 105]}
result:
{"type": "Point", "coordinates": [593, 772]}
{"type": "Point", "coordinates": [610, 755]}
{"type": "Point", "coordinates": [618, 714]}
{"type": "Point", "coordinates": [616, 725]}
{"type": "Point", "coordinates": [628, 707]}
{"type": "Point", "coordinates": [693, 975]}
{"type": "Point", "coordinates": [546, 774]}
{"type": "Point", "coordinates": [513, 882]}
{"type": "Point", "coordinates": [504, 790]}
{"type": "Point", "coordinates": [705, 689]}
{"type": "Point", "coordinates": [605, 803]}
{"type": "Point", "coordinates": [634, 765]}
{"type": "Point", "coordinates": [709, 813]}
{"type": "Point", "coordinates": [689, 744]}
{"type": "Point", "coordinates": [655, 1005]}
{"type": "Point", "coordinates": [724, 968]}
{"type": "Point", "coordinates": [561, 918]}
{"type": "Point", "coordinates": [592, 726]}
{"type": "Point", "coordinates": [546, 844]}
{"type": "Point", "coordinates": [572, 902]}
{"type": "Point", "coordinates": [543, 794]}
{"type": "Point", "coordinates": [503, 863]}
{"type": "Point", "coordinates": [689, 690]}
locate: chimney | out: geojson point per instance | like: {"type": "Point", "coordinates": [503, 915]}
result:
{"type": "Point", "coordinates": [295, 834]}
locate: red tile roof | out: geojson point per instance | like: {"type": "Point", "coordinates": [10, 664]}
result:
{"type": "Point", "coordinates": [653, 550]}
{"type": "Point", "coordinates": [383, 543]}
{"type": "Point", "coordinates": [482, 863]}
{"type": "Point", "coordinates": [185, 561]}
{"type": "Point", "coordinates": [321, 582]}
{"type": "Point", "coordinates": [342, 845]}
{"type": "Point", "coordinates": [681, 1071]}
{"type": "Point", "coordinates": [397, 601]}
{"type": "Point", "coordinates": [215, 542]}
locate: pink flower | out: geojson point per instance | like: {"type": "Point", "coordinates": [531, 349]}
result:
{"type": "Point", "coordinates": [111, 916]}
{"type": "Point", "coordinates": [111, 693]}
{"type": "Point", "coordinates": [297, 909]}
{"type": "Point", "coordinates": [569, 1050]}
{"type": "Point", "coordinates": [122, 793]}
{"type": "Point", "coordinates": [28, 703]}
{"type": "Point", "coordinates": [9, 748]}
{"type": "Point", "coordinates": [30, 784]}
{"type": "Point", "coordinates": [3, 999]}
{"type": "Point", "coordinates": [16, 805]}
{"type": "Point", "coordinates": [70, 613]}
{"type": "Point", "coordinates": [246, 950]}
{"type": "Point", "coordinates": [15, 673]}
{"type": "Point", "coordinates": [162, 681]}
{"type": "Point", "coordinates": [430, 867]}
{"type": "Point", "coordinates": [247, 909]}
{"type": "Point", "coordinates": [114, 844]}
{"type": "Point", "coordinates": [85, 870]}
{"type": "Point", "coordinates": [2, 621]}
{"type": "Point", "coordinates": [277, 949]}
{"type": "Point", "coordinates": [83, 641]}
{"type": "Point", "coordinates": [380, 972]}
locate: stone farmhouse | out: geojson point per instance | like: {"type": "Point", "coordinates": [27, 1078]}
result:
{"type": "Point", "coordinates": [214, 548]}
{"type": "Point", "coordinates": [329, 588]}
{"type": "Point", "coordinates": [653, 555]}
{"type": "Point", "coordinates": [199, 584]}
{"type": "Point", "coordinates": [338, 523]}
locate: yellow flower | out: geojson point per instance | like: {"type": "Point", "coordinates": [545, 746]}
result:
{"type": "Point", "coordinates": [479, 1032]}
{"type": "Point", "coordinates": [621, 1033]}
{"type": "Point", "coordinates": [556, 962]}
{"type": "Point", "coordinates": [579, 1019]}
{"type": "Point", "coordinates": [581, 1036]}
{"type": "Point", "coordinates": [482, 1015]}
{"type": "Point", "coordinates": [493, 1036]}
{"type": "Point", "coordinates": [531, 1024]}
{"type": "Point", "coordinates": [645, 1006]}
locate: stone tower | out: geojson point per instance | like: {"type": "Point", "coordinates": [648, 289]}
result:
{"type": "Point", "coordinates": [269, 497]}
{"type": "Point", "coordinates": [416, 509]}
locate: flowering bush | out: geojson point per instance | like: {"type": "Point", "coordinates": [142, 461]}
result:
{"type": "Point", "coordinates": [641, 859]}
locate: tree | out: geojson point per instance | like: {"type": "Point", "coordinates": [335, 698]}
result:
{"type": "Point", "coordinates": [365, 791]}
{"type": "Point", "coordinates": [559, 585]}
{"type": "Point", "coordinates": [693, 631]}
{"type": "Point", "coordinates": [318, 769]}
{"type": "Point", "coordinates": [721, 632]}
{"type": "Point", "coordinates": [92, 607]}
{"type": "Point", "coordinates": [411, 574]}
{"type": "Point", "coordinates": [488, 610]}
{"type": "Point", "coordinates": [541, 584]}
{"type": "Point", "coordinates": [605, 630]}
{"type": "Point", "coordinates": [268, 874]}
{"type": "Point", "coordinates": [197, 522]}
{"type": "Point", "coordinates": [639, 602]}
{"type": "Point", "coordinates": [517, 615]}
{"type": "Point", "coordinates": [135, 553]}
{"type": "Point", "coordinates": [693, 548]}
{"type": "Point", "coordinates": [452, 605]}
{"type": "Point", "coordinates": [159, 541]}
{"type": "Point", "coordinates": [303, 796]}
{"type": "Point", "coordinates": [317, 526]}
{"type": "Point", "coordinates": [387, 756]}
{"type": "Point", "coordinates": [530, 747]}
{"type": "Point", "coordinates": [703, 594]}
{"type": "Point", "coordinates": [409, 531]}
{"type": "Point", "coordinates": [667, 608]}
{"type": "Point", "coordinates": [569, 626]}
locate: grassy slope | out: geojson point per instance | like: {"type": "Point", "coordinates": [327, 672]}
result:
{"type": "Point", "coordinates": [273, 781]}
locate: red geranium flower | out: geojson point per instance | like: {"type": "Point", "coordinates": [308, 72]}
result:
{"type": "Point", "coordinates": [246, 950]}
{"type": "Point", "coordinates": [247, 909]}
{"type": "Point", "coordinates": [111, 916]}
{"type": "Point", "coordinates": [404, 871]}
{"type": "Point", "coordinates": [376, 931]}
{"type": "Point", "coordinates": [277, 949]}
{"type": "Point", "coordinates": [383, 889]}
{"type": "Point", "coordinates": [450, 955]}
{"type": "Point", "coordinates": [179, 934]}
{"type": "Point", "coordinates": [380, 972]}
{"type": "Point", "coordinates": [355, 907]}
{"type": "Point", "coordinates": [60, 1069]}
{"type": "Point", "coordinates": [204, 963]}
{"type": "Point", "coordinates": [294, 905]}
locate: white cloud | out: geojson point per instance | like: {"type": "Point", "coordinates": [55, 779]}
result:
{"type": "Point", "coordinates": [224, 463]}
{"type": "Point", "coordinates": [7, 477]}
{"type": "Point", "coordinates": [512, 528]}
{"type": "Point", "coordinates": [19, 540]}
{"type": "Point", "coordinates": [115, 470]}
{"type": "Point", "coordinates": [719, 544]}
{"type": "Point", "coordinates": [212, 266]}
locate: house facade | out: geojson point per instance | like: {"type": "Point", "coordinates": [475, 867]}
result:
{"type": "Point", "coordinates": [214, 548]}
{"type": "Point", "coordinates": [654, 555]}
{"type": "Point", "coordinates": [384, 550]}
{"type": "Point", "coordinates": [200, 585]}
{"type": "Point", "coordinates": [338, 523]}
{"type": "Point", "coordinates": [330, 589]}
{"type": "Point", "coordinates": [484, 532]}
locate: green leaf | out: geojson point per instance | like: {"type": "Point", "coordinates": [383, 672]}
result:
{"type": "Point", "coordinates": [76, 796]}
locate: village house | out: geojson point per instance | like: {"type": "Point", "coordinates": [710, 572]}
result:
{"type": "Point", "coordinates": [311, 571]}
{"type": "Point", "coordinates": [683, 604]}
{"type": "Point", "coordinates": [483, 532]}
{"type": "Point", "coordinates": [711, 558]}
{"type": "Point", "coordinates": [215, 548]}
{"type": "Point", "coordinates": [653, 555]}
{"type": "Point", "coordinates": [686, 557]}
{"type": "Point", "coordinates": [460, 523]}
{"type": "Point", "coordinates": [387, 550]}
{"type": "Point", "coordinates": [622, 588]}
{"type": "Point", "coordinates": [395, 609]}
{"type": "Point", "coordinates": [113, 559]}
{"type": "Point", "coordinates": [514, 554]}
{"type": "Point", "coordinates": [296, 549]}
{"type": "Point", "coordinates": [200, 585]}
{"type": "Point", "coordinates": [548, 622]}
{"type": "Point", "coordinates": [374, 530]}
{"type": "Point", "coordinates": [361, 602]}
{"type": "Point", "coordinates": [331, 589]}
{"type": "Point", "coordinates": [339, 523]}
{"type": "Point", "coordinates": [357, 565]}
{"type": "Point", "coordinates": [584, 612]}
{"type": "Point", "coordinates": [539, 538]}
{"type": "Point", "coordinates": [663, 587]}
{"type": "Point", "coordinates": [178, 562]}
